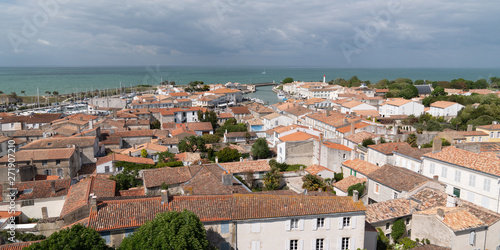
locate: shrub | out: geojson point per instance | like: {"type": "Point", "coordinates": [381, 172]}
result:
{"type": "Point", "coordinates": [359, 186]}
{"type": "Point", "coordinates": [398, 230]}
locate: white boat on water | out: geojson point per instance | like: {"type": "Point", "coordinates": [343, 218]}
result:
{"type": "Point", "coordinates": [281, 95]}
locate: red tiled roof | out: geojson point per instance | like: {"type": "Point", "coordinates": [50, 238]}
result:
{"type": "Point", "coordinates": [361, 166]}
{"type": "Point", "coordinates": [18, 245]}
{"type": "Point", "coordinates": [336, 146]}
{"type": "Point", "coordinates": [121, 157]}
{"type": "Point", "coordinates": [390, 209]}
{"type": "Point", "coordinates": [130, 213]}
{"type": "Point", "coordinates": [358, 125]}
{"type": "Point", "coordinates": [41, 154]}
{"type": "Point", "coordinates": [240, 110]}
{"type": "Point", "coordinates": [360, 136]}
{"type": "Point", "coordinates": [345, 183]}
{"type": "Point", "coordinates": [62, 142]}
{"type": "Point", "coordinates": [398, 178]}
{"type": "Point", "coordinates": [490, 127]}
{"type": "Point", "coordinates": [199, 126]}
{"type": "Point", "coordinates": [42, 189]}
{"type": "Point", "coordinates": [298, 136]}
{"type": "Point", "coordinates": [315, 169]}
{"type": "Point", "coordinates": [442, 104]}
{"type": "Point", "coordinates": [388, 148]}
{"type": "Point", "coordinates": [242, 167]}
{"type": "Point", "coordinates": [467, 159]}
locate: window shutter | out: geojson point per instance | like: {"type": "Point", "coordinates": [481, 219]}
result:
{"type": "Point", "coordinates": [352, 243]}
{"type": "Point", "coordinates": [287, 244]}
{"type": "Point", "coordinates": [301, 224]}
{"type": "Point", "coordinates": [301, 244]}
{"type": "Point", "coordinates": [353, 222]}
{"type": "Point", "coordinates": [327, 223]}
{"type": "Point", "coordinates": [472, 238]}
{"type": "Point", "coordinates": [288, 225]}
{"type": "Point", "coordinates": [341, 220]}
{"type": "Point", "coordinates": [315, 224]}
{"type": "Point", "coordinates": [327, 244]}
{"type": "Point", "coordinates": [313, 244]}
{"type": "Point", "coordinates": [339, 243]}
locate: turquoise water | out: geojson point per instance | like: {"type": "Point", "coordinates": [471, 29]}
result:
{"type": "Point", "coordinates": [69, 79]}
{"type": "Point", "coordinates": [266, 94]}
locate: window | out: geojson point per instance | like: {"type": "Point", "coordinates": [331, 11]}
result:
{"type": "Point", "coordinates": [294, 223]}
{"type": "Point", "coordinates": [472, 238]}
{"type": "Point", "coordinates": [491, 135]}
{"type": "Point", "coordinates": [224, 227]}
{"type": "Point", "coordinates": [294, 244]}
{"type": "Point", "coordinates": [480, 139]}
{"type": "Point", "coordinates": [456, 191]}
{"type": "Point", "coordinates": [387, 226]}
{"type": "Point", "coordinates": [485, 202]}
{"type": "Point", "coordinates": [225, 246]}
{"type": "Point", "coordinates": [431, 169]}
{"type": "Point", "coordinates": [27, 203]}
{"type": "Point", "coordinates": [346, 222]}
{"type": "Point", "coordinates": [44, 163]}
{"type": "Point", "coordinates": [60, 172]}
{"type": "Point", "coordinates": [106, 169]}
{"type": "Point", "coordinates": [376, 188]}
{"type": "Point", "coordinates": [320, 244]}
{"type": "Point", "coordinates": [407, 221]}
{"type": "Point", "coordinates": [498, 134]}
{"type": "Point", "coordinates": [344, 156]}
{"type": "Point", "coordinates": [395, 195]}
{"type": "Point", "coordinates": [472, 139]}
{"type": "Point", "coordinates": [345, 243]}
{"type": "Point", "coordinates": [47, 172]}
{"type": "Point", "coordinates": [444, 172]}
{"type": "Point", "coordinates": [58, 162]}
{"type": "Point", "coordinates": [458, 175]}
{"type": "Point", "coordinates": [320, 222]}
{"type": "Point", "coordinates": [472, 180]}
{"type": "Point", "coordinates": [487, 184]}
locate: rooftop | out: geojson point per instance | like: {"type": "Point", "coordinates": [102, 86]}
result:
{"type": "Point", "coordinates": [345, 183]}
{"type": "Point", "coordinates": [388, 148]}
{"type": "Point", "coordinates": [398, 178]}
{"type": "Point", "coordinates": [361, 166]}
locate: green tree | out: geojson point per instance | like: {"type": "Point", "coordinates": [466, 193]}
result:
{"type": "Point", "coordinates": [228, 155]}
{"type": "Point", "coordinates": [412, 140]}
{"type": "Point", "coordinates": [192, 144]}
{"type": "Point", "coordinates": [438, 91]}
{"type": "Point", "coordinates": [155, 125]}
{"type": "Point", "coordinates": [272, 179]}
{"type": "Point", "coordinates": [208, 116]}
{"type": "Point", "coordinates": [358, 186]}
{"type": "Point", "coordinates": [408, 92]}
{"type": "Point", "coordinates": [23, 92]}
{"type": "Point", "coordinates": [260, 149]}
{"type": "Point", "coordinates": [211, 138]}
{"type": "Point", "coordinates": [170, 231]}
{"type": "Point", "coordinates": [77, 237]}
{"type": "Point", "coordinates": [231, 126]}
{"type": "Point", "coordinates": [288, 80]}
{"type": "Point", "coordinates": [382, 240]}
{"type": "Point", "coordinates": [398, 229]}
{"type": "Point", "coordinates": [126, 179]}
{"type": "Point", "coordinates": [368, 141]}
{"type": "Point", "coordinates": [313, 183]}
{"type": "Point", "coordinates": [481, 84]}
{"type": "Point", "coordinates": [144, 153]}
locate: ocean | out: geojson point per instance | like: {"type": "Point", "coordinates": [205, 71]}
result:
{"type": "Point", "coordinates": [72, 79]}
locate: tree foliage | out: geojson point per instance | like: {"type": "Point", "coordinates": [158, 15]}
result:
{"type": "Point", "coordinates": [228, 154]}
{"type": "Point", "coordinates": [211, 138]}
{"type": "Point", "coordinates": [144, 153]}
{"type": "Point", "coordinates": [155, 125]}
{"type": "Point", "coordinates": [232, 126]}
{"type": "Point", "coordinates": [260, 149]}
{"type": "Point", "coordinates": [408, 92]}
{"type": "Point", "coordinates": [77, 237]}
{"type": "Point", "coordinates": [398, 230]}
{"type": "Point", "coordinates": [358, 186]}
{"type": "Point", "coordinates": [192, 144]}
{"type": "Point", "coordinates": [482, 115]}
{"type": "Point", "coordinates": [208, 116]}
{"type": "Point", "coordinates": [272, 179]}
{"type": "Point", "coordinates": [288, 80]}
{"type": "Point", "coordinates": [412, 140]}
{"type": "Point", "coordinates": [368, 141]}
{"type": "Point", "coordinates": [313, 183]}
{"type": "Point", "coordinates": [170, 231]}
{"type": "Point", "coordinates": [126, 179]}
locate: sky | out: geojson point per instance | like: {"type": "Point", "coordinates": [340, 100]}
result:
{"type": "Point", "coordinates": [336, 33]}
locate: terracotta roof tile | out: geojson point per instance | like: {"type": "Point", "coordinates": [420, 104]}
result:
{"type": "Point", "coordinates": [336, 146]}
{"type": "Point", "coordinates": [388, 148]}
{"type": "Point", "coordinates": [358, 125]}
{"type": "Point", "coordinates": [64, 142]}
{"type": "Point", "coordinates": [41, 154]}
{"type": "Point", "coordinates": [315, 169]}
{"type": "Point", "coordinates": [239, 110]}
{"type": "Point", "coordinates": [42, 189]}
{"type": "Point", "coordinates": [467, 159]}
{"type": "Point", "coordinates": [242, 167]}
{"type": "Point", "coordinates": [345, 183]}
{"type": "Point", "coordinates": [390, 209]}
{"type": "Point", "coordinates": [298, 136]}
{"type": "Point", "coordinates": [415, 153]}
{"type": "Point", "coordinates": [360, 136]}
{"type": "Point", "coordinates": [398, 178]}
{"type": "Point", "coordinates": [124, 157]}
{"type": "Point", "coordinates": [442, 104]}
{"type": "Point", "coordinates": [18, 245]}
{"type": "Point", "coordinates": [361, 166]}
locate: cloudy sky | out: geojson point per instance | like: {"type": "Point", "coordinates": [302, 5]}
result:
{"type": "Point", "coordinates": [336, 33]}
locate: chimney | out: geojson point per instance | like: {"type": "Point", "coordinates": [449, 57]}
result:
{"type": "Point", "coordinates": [451, 200]}
{"type": "Point", "coordinates": [435, 178]}
{"type": "Point", "coordinates": [165, 195]}
{"type": "Point", "coordinates": [241, 159]}
{"type": "Point", "coordinates": [346, 121]}
{"type": "Point", "coordinates": [327, 112]}
{"type": "Point", "coordinates": [216, 159]}
{"type": "Point", "coordinates": [93, 202]}
{"type": "Point", "coordinates": [44, 135]}
{"type": "Point", "coordinates": [227, 179]}
{"type": "Point", "coordinates": [355, 195]}
{"type": "Point", "coordinates": [135, 146]}
{"type": "Point", "coordinates": [495, 122]}
{"type": "Point", "coordinates": [352, 128]}
{"type": "Point", "coordinates": [53, 187]}
{"type": "Point", "coordinates": [320, 190]}
{"type": "Point", "coordinates": [436, 144]}
{"type": "Point", "coordinates": [440, 213]}
{"type": "Point", "coordinates": [45, 214]}
{"type": "Point", "coordinates": [353, 154]}
{"type": "Point", "coordinates": [469, 127]}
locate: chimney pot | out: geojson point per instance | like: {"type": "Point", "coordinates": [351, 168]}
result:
{"type": "Point", "coordinates": [436, 144]}
{"type": "Point", "coordinates": [45, 214]}
{"type": "Point", "coordinates": [451, 200]}
{"type": "Point", "coordinates": [440, 213]}
{"type": "Point", "coordinates": [227, 179]}
{"type": "Point", "coordinates": [435, 177]}
{"type": "Point", "coordinates": [93, 202]}
{"type": "Point", "coordinates": [355, 195]}
{"type": "Point", "coordinates": [165, 195]}
{"type": "Point", "coordinates": [53, 187]}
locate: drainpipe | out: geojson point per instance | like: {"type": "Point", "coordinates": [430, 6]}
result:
{"type": "Point", "coordinates": [498, 198]}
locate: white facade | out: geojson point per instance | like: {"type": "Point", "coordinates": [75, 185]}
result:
{"type": "Point", "coordinates": [303, 233]}
{"type": "Point", "coordinates": [276, 121]}
{"type": "Point", "coordinates": [54, 207]}
{"type": "Point", "coordinates": [407, 162]}
{"type": "Point", "coordinates": [480, 188]}
{"type": "Point", "coordinates": [448, 111]}
{"type": "Point", "coordinates": [410, 108]}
